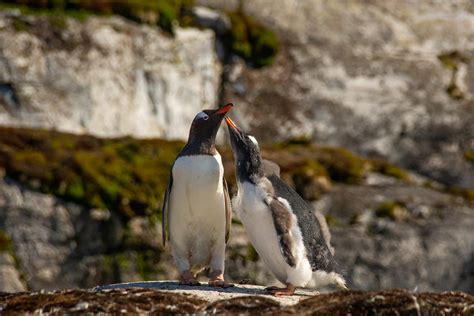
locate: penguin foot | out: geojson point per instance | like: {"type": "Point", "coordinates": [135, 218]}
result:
{"type": "Point", "coordinates": [187, 278]}
{"type": "Point", "coordinates": [281, 291]}
{"type": "Point", "coordinates": [217, 280]}
{"type": "Point", "coordinates": [220, 283]}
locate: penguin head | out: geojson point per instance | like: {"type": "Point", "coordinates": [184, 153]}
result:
{"type": "Point", "coordinates": [246, 151]}
{"type": "Point", "coordinates": [206, 124]}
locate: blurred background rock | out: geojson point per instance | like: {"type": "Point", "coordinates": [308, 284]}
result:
{"type": "Point", "coordinates": [367, 106]}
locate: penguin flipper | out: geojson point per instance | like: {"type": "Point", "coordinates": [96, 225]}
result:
{"type": "Point", "coordinates": [165, 210]}
{"type": "Point", "coordinates": [228, 211]}
{"type": "Point", "coordinates": [283, 222]}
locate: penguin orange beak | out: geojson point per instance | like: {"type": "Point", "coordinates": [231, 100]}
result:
{"type": "Point", "coordinates": [231, 124]}
{"type": "Point", "coordinates": [226, 108]}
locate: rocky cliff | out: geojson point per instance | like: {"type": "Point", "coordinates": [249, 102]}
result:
{"type": "Point", "coordinates": [391, 80]}
{"type": "Point", "coordinates": [388, 227]}
{"type": "Point", "coordinates": [104, 76]}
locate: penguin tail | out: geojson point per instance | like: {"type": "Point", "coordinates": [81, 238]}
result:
{"type": "Point", "coordinates": [340, 283]}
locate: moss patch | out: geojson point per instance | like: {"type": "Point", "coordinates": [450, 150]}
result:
{"type": "Point", "coordinates": [252, 254]}
{"type": "Point", "coordinates": [251, 40]}
{"type": "Point", "coordinates": [451, 61]}
{"type": "Point", "coordinates": [466, 193]}
{"type": "Point", "coordinates": [5, 242]}
{"type": "Point", "coordinates": [392, 209]}
{"type": "Point", "coordinates": [124, 175]}
{"type": "Point", "coordinates": [469, 156]}
{"type": "Point", "coordinates": [388, 169]}
{"type": "Point", "coordinates": [163, 13]}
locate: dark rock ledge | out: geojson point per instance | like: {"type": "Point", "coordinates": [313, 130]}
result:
{"type": "Point", "coordinates": [167, 298]}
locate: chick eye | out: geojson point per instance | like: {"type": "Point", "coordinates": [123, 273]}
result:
{"type": "Point", "coordinates": [205, 118]}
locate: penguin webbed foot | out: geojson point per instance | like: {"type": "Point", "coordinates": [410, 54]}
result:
{"type": "Point", "coordinates": [188, 278]}
{"type": "Point", "coordinates": [217, 280]}
{"type": "Point", "coordinates": [281, 291]}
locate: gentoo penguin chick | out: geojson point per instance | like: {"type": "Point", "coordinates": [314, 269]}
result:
{"type": "Point", "coordinates": [279, 223]}
{"type": "Point", "coordinates": [196, 209]}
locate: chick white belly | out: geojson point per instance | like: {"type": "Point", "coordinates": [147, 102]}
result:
{"type": "Point", "coordinates": [262, 234]}
{"type": "Point", "coordinates": [197, 209]}
{"type": "Point", "coordinates": [258, 222]}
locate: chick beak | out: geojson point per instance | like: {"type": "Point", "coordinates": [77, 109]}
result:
{"type": "Point", "coordinates": [231, 124]}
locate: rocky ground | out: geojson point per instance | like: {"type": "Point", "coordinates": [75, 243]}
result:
{"type": "Point", "coordinates": [200, 301]}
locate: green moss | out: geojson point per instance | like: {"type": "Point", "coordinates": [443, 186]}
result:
{"type": "Point", "coordinates": [466, 193]}
{"type": "Point", "coordinates": [251, 40]}
{"type": "Point", "coordinates": [5, 242]}
{"type": "Point", "coordinates": [123, 175]}
{"type": "Point", "coordinates": [331, 220]}
{"type": "Point", "coordinates": [392, 209]}
{"type": "Point", "coordinates": [310, 180]}
{"type": "Point", "coordinates": [469, 156]}
{"type": "Point", "coordinates": [252, 254]}
{"type": "Point", "coordinates": [451, 61]}
{"type": "Point", "coordinates": [164, 13]}
{"type": "Point", "coordinates": [389, 169]}
{"type": "Point", "coordinates": [312, 168]}
{"type": "Point", "coordinates": [146, 265]}
{"type": "Point", "coordinates": [20, 26]}
{"type": "Point", "coordinates": [57, 15]}
{"type": "Point", "coordinates": [342, 165]}
{"type": "Point", "coordinates": [454, 91]}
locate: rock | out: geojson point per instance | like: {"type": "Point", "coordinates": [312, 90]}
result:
{"type": "Point", "coordinates": [212, 19]}
{"type": "Point", "coordinates": [411, 251]}
{"type": "Point", "coordinates": [203, 301]}
{"type": "Point", "coordinates": [60, 245]}
{"type": "Point", "coordinates": [10, 279]}
{"type": "Point", "coordinates": [371, 77]}
{"type": "Point", "coordinates": [105, 76]}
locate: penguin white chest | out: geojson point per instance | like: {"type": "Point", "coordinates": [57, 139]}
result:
{"type": "Point", "coordinates": [197, 208]}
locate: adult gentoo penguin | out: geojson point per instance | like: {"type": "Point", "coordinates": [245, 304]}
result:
{"type": "Point", "coordinates": [280, 224]}
{"type": "Point", "coordinates": [196, 209]}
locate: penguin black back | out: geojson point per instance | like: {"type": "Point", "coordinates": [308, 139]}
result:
{"type": "Point", "coordinates": [318, 253]}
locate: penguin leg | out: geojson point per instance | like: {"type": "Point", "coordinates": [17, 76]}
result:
{"type": "Point", "coordinates": [186, 276]}
{"type": "Point", "coordinates": [217, 268]}
{"type": "Point", "coordinates": [217, 280]}
{"type": "Point", "coordinates": [281, 291]}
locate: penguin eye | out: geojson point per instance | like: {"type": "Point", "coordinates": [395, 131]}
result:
{"type": "Point", "coordinates": [202, 115]}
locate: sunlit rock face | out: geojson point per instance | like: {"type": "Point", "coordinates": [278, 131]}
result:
{"type": "Point", "coordinates": [391, 79]}
{"type": "Point", "coordinates": [104, 76]}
